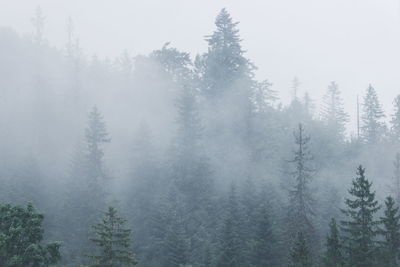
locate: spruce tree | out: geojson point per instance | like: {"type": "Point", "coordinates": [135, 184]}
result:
{"type": "Point", "coordinates": [96, 136]}
{"type": "Point", "coordinates": [113, 242]}
{"type": "Point", "coordinates": [334, 256]}
{"type": "Point", "coordinates": [190, 168]}
{"type": "Point", "coordinates": [143, 185]}
{"type": "Point", "coordinates": [224, 63]}
{"type": "Point", "coordinates": [395, 120]}
{"type": "Point", "coordinates": [391, 232]}
{"type": "Point", "coordinates": [396, 178]}
{"type": "Point", "coordinates": [265, 253]}
{"type": "Point", "coordinates": [300, 254]}
{"type": "Point", "coordinates": [263, 97]}
{"type": "Point", "coordinates": [191, 172]}
{"type": "Point", "coordinates": [333, 114]}
{"type": "Point", "coordinates": [175, 64]}
{"type": "Point", "coordinates": [86, 188]}
{"type": "Point", "coordinates": [372, 126]}
{"type": "Point", "coordinates": [226, 80]}
{"type": "Point", "coordinates": [360, 228]}
{"type": "Point", "coordinates": [21, 236]}
{"type": "Point", "coordinates": [230, 241]}
{"type": "Point", "coordinates": [176, 244]}
{"type": "Point", "coordinates": [301, 202]}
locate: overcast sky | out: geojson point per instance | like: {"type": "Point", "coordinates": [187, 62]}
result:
{"type": "Point", "coordinates": [354, 42]}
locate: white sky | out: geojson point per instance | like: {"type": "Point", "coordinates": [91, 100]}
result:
{"type": "Point", "coordinates": [355, 42]}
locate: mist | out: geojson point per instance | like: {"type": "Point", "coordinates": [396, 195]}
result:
{"type": "Point", "coordinates": [213, 133]}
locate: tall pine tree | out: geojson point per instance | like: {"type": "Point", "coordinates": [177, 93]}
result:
{"type": "Point", "coordinates": [301, 203]}
{"type": "Point", "coordinates": [300, 255]}
{"type": "Point", "coordinates": [334, 256]}
{"type": "Point", "coordinates": [113, 242]}
{"type": "Point", "coordinates": [395, 120]}
{"type": "Point", "coordinates": [372, 127]}
{"type": "Point", "coordinates": [230, 241]}
{"type": "Point", "coordinates": [333, 113]}
{"type": "Point", "coordinates": [396, 178]}
{"type": "Point", "coordinates": [391, 233]}
{"type": "Point", "coordinates": [360, 228]}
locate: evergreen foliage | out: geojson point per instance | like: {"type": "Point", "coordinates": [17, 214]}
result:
{"type": "Point", "coordinates": [372, 126]}
{"type": "Point", "coordinates": [334, 256]}
{"type": "Point", "coordinates": [333, 113]}
{"type": "Point", "coordinates": [21, 236]}
{"type": "Point", "coordinates": [300, 254]}
{"type": "Point", "coordinates": [301, 203]}
{"type": "Point", "coordinates": [360, 228]}
{"type": "Point", "coordinates": [113, 242]}
{"type": "Point", "coordinates": [230, 242]}
{"type": "Point", "coordinates": [390, 230]}
{"type": "Point", "coordinates": [395, 120]}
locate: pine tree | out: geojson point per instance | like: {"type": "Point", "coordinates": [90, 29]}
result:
{"type": "Point", "coordinates": [21, 234]}
{"type": "Point", "coordinates": [86, 189]}
{"type": "Point", "coordinates": [170, 243]}
{"type": "Point", "coordinates": [190, 168]}
{"type": "Point", "coordinates": [372, 127]}
{"type": "Point", "coordinates": [396, 178]}
{"type": "Point", "coordinates": [308, 104]}
{"type": "Point", "coordinates": [301, 202]}
{"type": "Point", "coordinates": [176, 242]}
{"type": "Point", "coordinates": [145, 182]}
{"type": "Point", "coordinates": [113, 241]}
{"type": "Point", "coordinates": [395, 120]}
{"type": "Point", "coordinates": [191, 172]}
{"type": "Point", "coordinates": [391, 234]}
{"type": "Point", "coordinates": [360, 228]}
{"type": "Point", "coordinates": [263, 97]}
{"type": "Point", "coordinates": [265, 253]}
{"type": "Point", "coordinates": [177, 65]}
{"type": "Point", "coordinates": [333, 113]}
{"type": "Point", "coordinates": [299, 109]}
{"type": "Point", "coordinates": [230, 247]}
{"type": "Point", "coordinates": [224, 63]}
{"type": "Point", "coordinates": [96, 136]}
{"type": "Point", "coordinates": [334, 256]}
{"type": "Point", "coordinates": [300, 254]}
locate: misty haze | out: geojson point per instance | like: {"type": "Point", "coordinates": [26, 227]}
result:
{"type": "Point", "coordinates": [168, 134]}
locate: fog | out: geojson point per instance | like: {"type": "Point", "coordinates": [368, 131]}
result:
{"type": "Point", "coordinates": [226, 133]}
{"type": "Point", "coordinates": [316, 41]}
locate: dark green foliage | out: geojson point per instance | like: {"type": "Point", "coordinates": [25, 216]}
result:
{"type": "Point", "coordinates": [334, 255]}
{"type": "Point", "coordinates": [360, 228]}
{"type": "Point", "coordinates": [391, 232]}
{"type": "Point", "coordinates": [21, 234]}
{"type": "Point", "coordinates": [300, 254]}
{"type": "Point", "coordinates": [113, 242]}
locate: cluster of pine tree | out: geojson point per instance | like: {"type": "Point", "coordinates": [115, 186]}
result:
{"type": "Point", "coordinates": [206, 165]}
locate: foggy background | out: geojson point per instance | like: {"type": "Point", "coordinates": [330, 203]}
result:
{"type": "Point", "coordinates": [352, 42]}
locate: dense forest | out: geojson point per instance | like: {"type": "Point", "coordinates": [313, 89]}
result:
{"type": "Point", "coordinates": [177, 160]}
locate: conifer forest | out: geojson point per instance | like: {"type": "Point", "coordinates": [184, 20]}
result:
{"type": "Point", "coordinates": [181, 159]}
